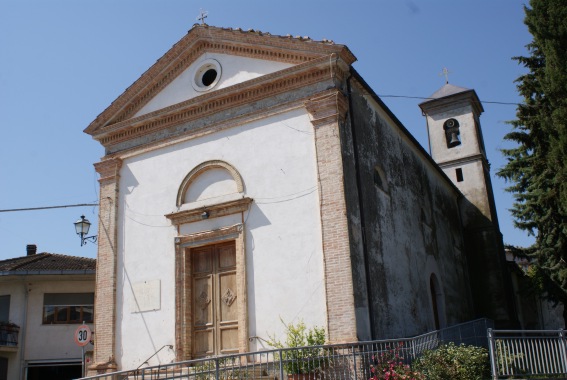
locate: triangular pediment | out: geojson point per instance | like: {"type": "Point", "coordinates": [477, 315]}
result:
{"type": "Point", "coordinates": [232, 56]}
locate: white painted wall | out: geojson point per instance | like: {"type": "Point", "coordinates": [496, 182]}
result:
{"type": "Point", "coordinates": [276, 160]}
{"type": "Point", "coordinates": [234, 70]}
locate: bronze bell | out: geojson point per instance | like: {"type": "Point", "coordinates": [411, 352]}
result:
{"type": "Point", "coordinates": [454, 139]}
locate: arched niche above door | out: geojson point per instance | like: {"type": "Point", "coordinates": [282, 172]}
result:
{"type": "Point", "coordinates": [209, 180]}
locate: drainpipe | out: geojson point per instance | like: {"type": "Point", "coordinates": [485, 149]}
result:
{"type": "Point", "coordinates": [22, 338]}
{"type": "Point", "coordinates": [361, 211]}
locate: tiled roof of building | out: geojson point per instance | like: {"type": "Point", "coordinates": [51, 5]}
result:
{"type": "Point", "coordinates": [260, 33]}
{"type": "Point", "coordinates": [47, 262]}
{"type": "Point", "coordinates": [447, 90]}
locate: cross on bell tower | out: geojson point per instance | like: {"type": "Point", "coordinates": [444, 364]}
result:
{"type": "Point", "coordinates": [446, 73]}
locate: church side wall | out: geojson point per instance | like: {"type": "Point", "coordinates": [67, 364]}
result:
{"type": "Point", "coordinates": [412, 228]}
{"type": "Point", "coordinates": [284, 264]}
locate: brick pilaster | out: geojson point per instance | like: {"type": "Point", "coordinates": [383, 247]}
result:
{"type": "Point", "coordinates": [327, 116]}
{"type": "Point", "coordinates": [105, 291]}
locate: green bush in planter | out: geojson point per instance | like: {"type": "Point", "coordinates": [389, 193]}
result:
{"type": "Point", "coordinates": [449, 362]}
{"type": "Point", "coordinates": [301, 361]}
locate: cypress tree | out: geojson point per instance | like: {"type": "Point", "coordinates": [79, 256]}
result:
{"type": "Point", "coordinates": [537, 166]}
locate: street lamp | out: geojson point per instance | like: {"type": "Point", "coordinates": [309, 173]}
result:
{"type": "Point", "coordinates": [82, 228]}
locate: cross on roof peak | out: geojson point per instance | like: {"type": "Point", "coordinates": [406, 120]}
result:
{"type": "Point", "coordinates": [202, 16]}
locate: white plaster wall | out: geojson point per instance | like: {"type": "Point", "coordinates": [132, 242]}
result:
{"type": "Point", "coordinates": [234, 70]}
{"type": "Point", "coordinates": [473, 186]}
{"type": "Point", "coordinates": [276, 160]}
{"type": "Point", "coordinates": [467, 129]}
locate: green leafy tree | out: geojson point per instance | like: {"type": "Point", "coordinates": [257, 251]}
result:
{"type": "Point", "coordinates": [537, 165]}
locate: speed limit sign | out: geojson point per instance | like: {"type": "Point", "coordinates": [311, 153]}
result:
{"type": "Point", "coordinates": [82, 335]}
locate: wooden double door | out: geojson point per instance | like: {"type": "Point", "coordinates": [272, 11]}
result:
{"type": "Point", "coordinates": [214, 303]}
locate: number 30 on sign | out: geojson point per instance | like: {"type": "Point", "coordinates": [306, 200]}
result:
{"type": "Point", "coordinates": [82, 335]}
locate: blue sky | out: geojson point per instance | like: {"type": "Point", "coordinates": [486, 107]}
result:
{"type": "Point", "coordinates": [62, 62]}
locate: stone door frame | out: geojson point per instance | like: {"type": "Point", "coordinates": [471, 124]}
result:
{"type": "Point", "coordinates": [183, 285]}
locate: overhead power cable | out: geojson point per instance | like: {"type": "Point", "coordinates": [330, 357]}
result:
{"type": "Point", "coordinates": [424, 98]}
{"type": "Point", "coordinates": [48, 207]}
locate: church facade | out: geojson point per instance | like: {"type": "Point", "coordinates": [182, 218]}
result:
{"type": "Point", "coordinates": [250, 179]}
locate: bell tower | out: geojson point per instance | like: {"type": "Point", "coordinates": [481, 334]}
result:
{"type": "Point", "coordinates": [457, 146]}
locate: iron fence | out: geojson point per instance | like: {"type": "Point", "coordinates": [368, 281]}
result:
{"type": "Point", "coordinates": [351, 361]}
{"type": "Point", "coordinates": [517, 354]}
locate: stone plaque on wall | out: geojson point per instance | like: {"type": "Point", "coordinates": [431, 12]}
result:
{"type": "Point", "coordinates": [147, 296]}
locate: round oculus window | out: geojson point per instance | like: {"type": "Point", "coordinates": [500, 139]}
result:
{"type": "Point", "coordinates": [207, 75]}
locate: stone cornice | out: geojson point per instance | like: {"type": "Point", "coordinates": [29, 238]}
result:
{"type": "Point", "coordinates": [214, 211]}
{"type": "Point", "coordinates": [181, 133]}
{"type": "Point", "coordinates": [204, 236]}
{"type": "Point", "coordinates": [464, 160]}
{"type": "Point", "coordinates": [450, 102]}
{"type": "Point", "coordinates": [210, 39]}
{"type": "Point", "coordinates": [220, 101]}
{"type": "Point", "coordinates": [108, 169]}
{"type": "Point", "coordinates": [327, 108]}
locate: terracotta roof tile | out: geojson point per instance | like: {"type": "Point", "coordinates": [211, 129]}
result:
{"type": "Point", "coordinates": [259, 32]}
{"type": "Point", "coordinates": [47, 262]}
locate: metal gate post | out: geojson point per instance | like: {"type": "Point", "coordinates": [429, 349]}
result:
{"type": "Point", "coordinates": [563, 350]}
{"type": "Point", "coordinates": [281, 366]}
{"type": "Point", "coordinates": [354, 363]}
{"type": "Point", "coordinates": [492, 352]}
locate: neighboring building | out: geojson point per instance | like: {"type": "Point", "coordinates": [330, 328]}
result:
{"type": "Point", "coordinates": [249, 178]}
{"type": "Point", "coordinates": [44, 297]}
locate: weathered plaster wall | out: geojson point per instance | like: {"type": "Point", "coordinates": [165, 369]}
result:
{"type": "Point", "coordinates": [276, 160]}
{"type": "Point", "coordinates": [411, 226]}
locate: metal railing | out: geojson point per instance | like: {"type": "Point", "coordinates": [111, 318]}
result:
{"type": "Point", "coordinates": [350, 361]}
{"type": "Point", "coordinates": [528, 353]}
{"type": "Point", "coordinates": [9, 334]}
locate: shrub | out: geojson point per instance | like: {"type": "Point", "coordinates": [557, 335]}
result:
{"type": "Point", "coordinates": [305, 360]}
{"type": "Point", "coordinates": [390, 365]}
{"type": "Point", "coordinates": [450, 362]}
